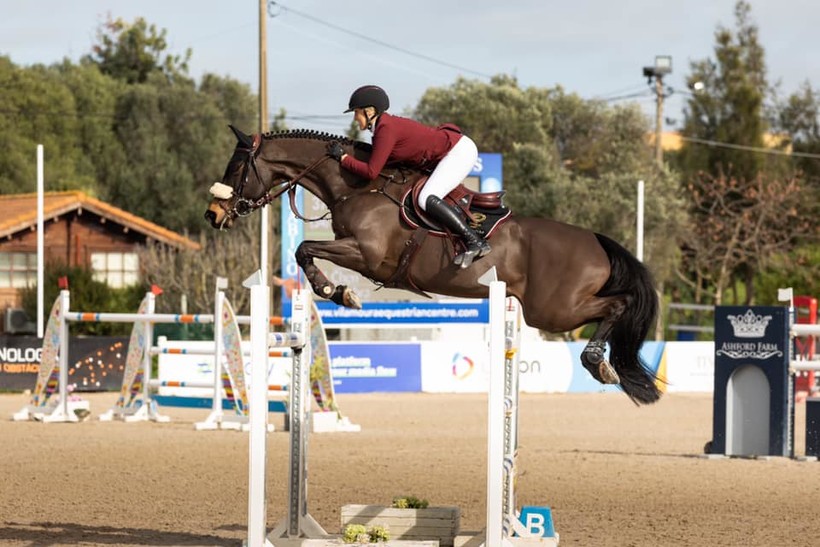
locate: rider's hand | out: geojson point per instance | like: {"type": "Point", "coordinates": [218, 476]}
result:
{"type": "Point", "coordinates": [335, 150]}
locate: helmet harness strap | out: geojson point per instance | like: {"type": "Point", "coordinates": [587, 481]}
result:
{"type": "Point", "coordinates": [369, 119]}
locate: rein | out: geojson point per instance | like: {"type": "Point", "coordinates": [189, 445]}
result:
{"type": "Point", "coordinates": [243, 206]}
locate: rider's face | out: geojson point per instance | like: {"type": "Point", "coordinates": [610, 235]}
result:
{"type": "Point", "coordinates": [360, 118]}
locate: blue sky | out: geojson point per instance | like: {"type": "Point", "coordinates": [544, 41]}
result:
{"type": "Point", "coordinates": [596, 48]}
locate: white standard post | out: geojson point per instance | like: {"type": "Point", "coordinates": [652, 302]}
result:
{"type": "Point", "coordinates": [495, 419]}
{"type": "Point", "coordinates": [512, 344]}
{"type": "Point", "coordinates": [258, 418]}
{"type": "Point", "coordinates": [639, 229]}
{"type": "Point", "coordinates": [40, 243]}
{"type": "Point", "coordinates": [216, 408]}
{"type": "Point", "coordinates": [65, 302]}
{"type": "Point", "coordinates": [146, 356]}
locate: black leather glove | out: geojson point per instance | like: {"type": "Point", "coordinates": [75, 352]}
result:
{"type": "Point", "coordinates": [335, 150]}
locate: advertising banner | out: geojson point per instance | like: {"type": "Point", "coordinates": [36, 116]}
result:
{"type": "Point", "coordinates": [405, 313]}
{"type": "Point", "coordinates": [459, 366]}
{"type": "Point", "coordinates": [94, 363]}
{"type": "Point", "coordinates": [365, 368]}
{"type": "Point", "coordinates": [690, 367]}
{"type": "Point", "coordinates": [19, 362]}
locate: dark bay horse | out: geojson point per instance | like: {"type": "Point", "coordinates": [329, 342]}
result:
{"type": "Point", "coordinates": [564, 276]}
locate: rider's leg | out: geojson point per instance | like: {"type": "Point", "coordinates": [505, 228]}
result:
{"type": "Point", "coordinates": [450, 171]}
{"type": "Point", "coordinates": [454, 221]}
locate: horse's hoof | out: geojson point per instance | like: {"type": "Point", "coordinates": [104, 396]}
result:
{"type": "Point", "coordinates": [607, 373]}
{"type": "Point", "coordinates": [352, 300]}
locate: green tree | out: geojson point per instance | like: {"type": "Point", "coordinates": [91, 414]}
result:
{"type": "Point", "coordinates": [729, 109]}
{"type": "Point", "coordinates": [38, 108]}
{"type": "Point", "coordinates": [799, 119]}
{"type": "Point", "coordinates": [95, 99]}
{"type": "Point", "coordinates": [497, 115]}
{"type": "Point", "coordinates": [234, 100]}
{"type": "Point", "coordinates": [132, 52]}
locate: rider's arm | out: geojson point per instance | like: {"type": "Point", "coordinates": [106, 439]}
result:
{"type": "Point", "coordinates": [384, 140]}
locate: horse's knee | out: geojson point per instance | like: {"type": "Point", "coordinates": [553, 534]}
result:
{"type": "Point", "coordinates": [301, 254]}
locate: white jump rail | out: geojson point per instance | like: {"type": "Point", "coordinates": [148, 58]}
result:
{"type": "Point", "coordinates": [804, 329]}
{"type": "Point", "coordinates": [66, 409]}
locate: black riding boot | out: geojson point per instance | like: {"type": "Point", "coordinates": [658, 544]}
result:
{"type": "Point", "coordinates": [451, 218]}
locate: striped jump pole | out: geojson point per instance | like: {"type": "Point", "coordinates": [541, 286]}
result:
{"type": "Point", "coordinates": [204, 385]}
{"type": "Point", "coordinates": [166, 350]}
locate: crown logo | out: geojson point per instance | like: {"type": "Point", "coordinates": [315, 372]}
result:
{"type": "Point", "coordinates": [749, 325]}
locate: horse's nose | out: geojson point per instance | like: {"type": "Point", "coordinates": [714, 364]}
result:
{"type": "Point", "coordinates": [210, 216]}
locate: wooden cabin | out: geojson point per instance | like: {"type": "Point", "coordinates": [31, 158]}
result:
{"type": "Point", "coordinates": [79, 230]}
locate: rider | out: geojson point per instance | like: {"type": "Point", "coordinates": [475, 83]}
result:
{"type": "Point", "coordinates": [446, 149]}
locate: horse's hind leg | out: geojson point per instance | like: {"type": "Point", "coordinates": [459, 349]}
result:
{"type": "Point", "coordinates": [593, 355]}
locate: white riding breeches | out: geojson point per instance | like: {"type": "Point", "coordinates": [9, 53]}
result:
{"type": "Point", "coordinates": [450, 171]}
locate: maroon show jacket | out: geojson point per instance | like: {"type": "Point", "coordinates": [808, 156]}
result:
{"type": "Point", "coordinates": [397, 139]}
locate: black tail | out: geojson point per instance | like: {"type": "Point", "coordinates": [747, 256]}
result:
{"type": "Point", "coordinates": [630, 277]}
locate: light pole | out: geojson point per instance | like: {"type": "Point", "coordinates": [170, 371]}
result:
{"type": "Point", "coordinates": [662, 67]}
{"type": "Point", "coordinates": [265, 224]}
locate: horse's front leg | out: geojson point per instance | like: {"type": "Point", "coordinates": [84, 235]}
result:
{"type": "Point", "coordinates": [343, 252]}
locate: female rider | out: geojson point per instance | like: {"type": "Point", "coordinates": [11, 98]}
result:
{"type": "Point", "coordinates": [397, 139]}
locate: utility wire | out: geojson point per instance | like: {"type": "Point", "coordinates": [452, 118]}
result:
{"type": "Point", "coordinates": [750, 148]}
{"type": "Point", "coordinates": [378, 58]}
{"type": "Point", "coordinates": [606, 97]}
{"type": "Point", "coordinates": [375, 41]}
{"type": "Point", "coordinates": [644, 93]}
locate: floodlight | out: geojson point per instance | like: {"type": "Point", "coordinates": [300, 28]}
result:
{"type": "Point", "coordinates": [663, 65]}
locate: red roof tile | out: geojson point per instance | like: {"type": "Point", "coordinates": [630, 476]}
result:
{"type": "Point", "coordinates": [59, 203]}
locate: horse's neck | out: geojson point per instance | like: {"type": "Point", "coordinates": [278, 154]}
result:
{"type": "Point", "coordinates": [328, 181]}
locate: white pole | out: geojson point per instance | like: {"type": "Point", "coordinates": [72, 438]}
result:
{"type": "Point", "coordinates": [219, 302]}
{"type": "Point", "coordinates": [148, 329]}
{"type": "Point", "coordinates": [65, 302]}
{"type": "Point", "coordinates": [263, 244]}
{"type": "Point", "coordinates": [495, 421]}
{"type": "Point", "coordinates": [639, 230]}
{"type": "Point", "coordinates": [40, 243]}
{"type": "Point", "coordinates": [258, 414]}
{"type": "Point", "coordinates": [263, 127]}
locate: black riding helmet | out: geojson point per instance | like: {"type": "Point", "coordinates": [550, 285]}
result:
{"type": "Point", "coordinates": [368, 95]}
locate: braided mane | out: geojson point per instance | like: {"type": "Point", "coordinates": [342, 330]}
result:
{"type": "Point", "coordinates": [313, 135]}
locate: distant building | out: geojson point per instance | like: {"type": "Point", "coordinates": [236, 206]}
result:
{"type": "Point", "coordinates": [672, 141]}
{"type": "Point", "coordinates": [79, 231]}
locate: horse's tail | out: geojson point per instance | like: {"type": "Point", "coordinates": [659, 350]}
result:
{"type": "Point", "coordinates": [630, 277]}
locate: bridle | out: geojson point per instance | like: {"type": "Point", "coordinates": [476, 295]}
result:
{"type": "Point", "coordinates": [242, 206]}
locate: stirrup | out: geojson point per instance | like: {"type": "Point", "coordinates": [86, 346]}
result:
{"type": "Point", "coordinates": [465, 259]}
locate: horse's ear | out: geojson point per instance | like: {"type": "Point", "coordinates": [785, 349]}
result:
{"type": "Point", "coordinates": [247, 140]}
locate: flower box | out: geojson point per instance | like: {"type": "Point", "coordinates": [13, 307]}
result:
{"type": "Point", "coordinates": [440, 524]}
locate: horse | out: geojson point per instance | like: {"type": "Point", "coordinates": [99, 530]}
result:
{"type": "Point", "coordinates": [564, 276]}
